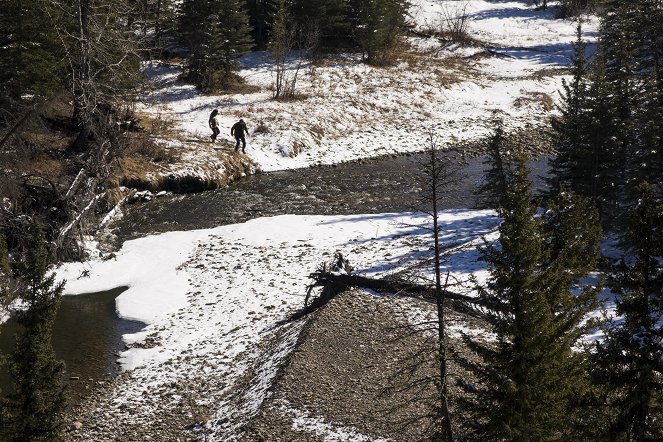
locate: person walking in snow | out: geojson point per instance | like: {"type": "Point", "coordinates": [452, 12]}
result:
{"type": "Point", "coordinates": [214, 124]}
{"type": "Point", "coordinates": [238, 131]}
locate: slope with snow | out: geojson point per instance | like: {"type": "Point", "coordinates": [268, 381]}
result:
{"type": "Point", "coordinates": [212, 298]}
{"type": "Point", "coordinates": [350, 110]}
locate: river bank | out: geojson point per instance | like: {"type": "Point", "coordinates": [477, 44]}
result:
{"type": "Point", "coordinates": [213, 274]}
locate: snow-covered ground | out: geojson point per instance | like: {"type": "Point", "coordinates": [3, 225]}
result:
{"type": "Point", "coordinates": [352, 110]}
{"type": "Point", "coordinates": [211, 297]}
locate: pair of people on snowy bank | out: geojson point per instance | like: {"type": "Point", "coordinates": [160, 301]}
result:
{"type": "Point", "coordinates": [239, 130]}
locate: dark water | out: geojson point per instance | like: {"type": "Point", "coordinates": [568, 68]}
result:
{"type": "Point", "coordinates": [88, 332]}
{"type": "Point", "coordinates": [389, 185]}
{"type": "Point", "coordinates": [86, 335]}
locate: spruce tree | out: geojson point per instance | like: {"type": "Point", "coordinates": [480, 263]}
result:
{"type": "Point", "coordinates": [34, 409]}
{"type": "Point", "coordinates": [377, 27]}
{"type": "Point", "coordinates": [528, 376]}
{"type": "Point", "coordinates": [330, 17]}
{"type": "Point", "coordinates": [628, 362]}
{"type": "Point", "coordinates": [571, 125]}
{"type": "Point", "coordinates": [259, 13]}
{"type": "Point", "coordinates": [217, 34]}
{"type": "Point", "coordinates": [230, 40]}
{"type": "Point", "coordinates": [30, 56]}
{"type": "Point", "coordinates": [195, 29]}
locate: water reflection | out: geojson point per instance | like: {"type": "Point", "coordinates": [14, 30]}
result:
{"type": "Point", "coordinates": [86, 335]}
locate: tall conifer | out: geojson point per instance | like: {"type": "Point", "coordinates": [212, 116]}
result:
{"type": "Point", "coordinates": [30, 55]}
{"type": "Point", "coordinates": [34, 409]}
{"type": "Point", "coordinates": [493, 187]}
{"type": "Point", "coordinates": [628, 362]}
{"type": "Point", "coordinates": [528, 376]}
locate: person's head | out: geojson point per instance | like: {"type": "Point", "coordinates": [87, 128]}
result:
{"type": "Point", "coordinates": [241, 121]}
{"type": "Point", "coordinates": [214, 112]}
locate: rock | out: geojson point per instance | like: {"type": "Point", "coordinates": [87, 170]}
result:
{"type": "Point", "coordinates": [77, 425]}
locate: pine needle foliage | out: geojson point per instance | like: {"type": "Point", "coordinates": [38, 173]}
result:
{"type": "Point", "coordinates": [34, 410]}
{"type": "Point", "coordinates": [527, 377]}
{"type": "Point", "coordinates": [217, 34]}
{"type": "Point", "coordinates": [628, 362]}
{"type": "Point", "coordinates": [31, 65]}
{"type": "Point", "coordinates": [609, 133]}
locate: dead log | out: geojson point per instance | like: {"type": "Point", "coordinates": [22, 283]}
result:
{"type": "Point", "coordinates": [334, 282]}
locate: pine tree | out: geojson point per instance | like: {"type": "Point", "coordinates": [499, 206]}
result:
{"type": "Point", "coordinates": [195, 29]}
{"type": "Point", "coordinates": [30, 58]}
{"type": "Point", "coordinates": [377, 26]}
{"type": "Point", "coordinates": [34, 410]}
{"type": "Point", "coordinates": [571, 125]}
{"type": "Point", "coordinates": [217, 34]}
{"type": "Point", "coordinates": [628, 362]}
{"type": "Point", "coordinates": [259, 13]}
{"type": "Point", "coordinates": [493, 187]}
{"type": "Point", "coordinates": [529, 375]}
{"type": "Point", "coordinates": [330, 17]}
{"type": "Point", "coordinates": [230, 40]}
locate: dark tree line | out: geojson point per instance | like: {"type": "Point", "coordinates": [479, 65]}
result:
{"type": "Point", "coordinates": [216, 33]}
{"type": "Point", "coordinates": [610, 133]}
{"type": "Point", "coordinates": [33, 409]}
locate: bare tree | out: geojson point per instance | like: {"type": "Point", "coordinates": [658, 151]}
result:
{"type": "Point", "coordinates": [286, 37]}
{"type": "Point", "coordinates": [454, 20]}
{"type": "Point", "coordinates": [436, 177]}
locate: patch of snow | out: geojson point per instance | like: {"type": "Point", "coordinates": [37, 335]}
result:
{"type": "Point", "coordinates": [317, 426]}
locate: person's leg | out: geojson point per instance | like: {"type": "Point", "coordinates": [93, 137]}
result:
{"type": "Point", "coordinates": [243, 144]}
{"type": "Point", "coordinates": [237, 143]}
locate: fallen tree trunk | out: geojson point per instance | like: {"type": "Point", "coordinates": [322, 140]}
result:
{"type": "Point", "coordinates": [333, 283]}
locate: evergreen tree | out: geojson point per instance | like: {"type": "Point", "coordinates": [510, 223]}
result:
{"type": "Point", "coordinates": [30, 57]}
{"type": "Point", "coordinates": [628, 362]}
{"type": "Point", "coordinates": [570, 164]}
{"type": "Point", "coordinates": [377, 26]}
{"type": "Point", "coordinates": [34, 409]}
{"type": "Point", "coordinates": [195, 28]}
{"type": "Point", "coordinates": [217, 34]}
{"type": "Point", "coordinates": [259, 13]}
{"type": "Point", "coordinates": [493, 187]}
{"type": "Point", "coordinates": [529, 375]}
{"type": "Point", "coordinates": [609, 134]}
{"type": "Point", "coordinates": [330, 17]}
{"type": "Point", "coordinates": [230, 40]}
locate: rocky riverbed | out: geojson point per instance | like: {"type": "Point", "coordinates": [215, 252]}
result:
{"type": "Point", "coordinates": [362, 367]}
{"type": "Point", "coordinates": [348, 351]}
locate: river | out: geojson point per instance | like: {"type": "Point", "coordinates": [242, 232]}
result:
{"type": "Point", "coordinates": [88, 332]}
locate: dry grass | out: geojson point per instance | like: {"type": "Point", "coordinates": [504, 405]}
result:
{"type": "Point", "coordinates": [133, 172]}
{"type": "Point", "coordinates": [540, 98]}
{"type": "Point", "coordinates": [163, 125]}
{"type": "Point", "coordinates": [144, 146]}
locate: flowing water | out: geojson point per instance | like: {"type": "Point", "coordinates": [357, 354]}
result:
{"type": "Point", "coordinates": [88, 332]}
{"type": "Point", "coordinates": [389, 185]}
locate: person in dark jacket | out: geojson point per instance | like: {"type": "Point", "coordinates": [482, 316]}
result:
{"type": "Point", "coordinates": [239, 131]}
{"type": "Point", "coordinates": [214, 124]}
